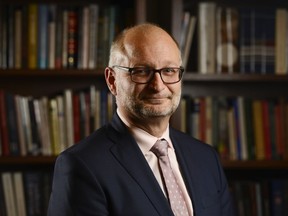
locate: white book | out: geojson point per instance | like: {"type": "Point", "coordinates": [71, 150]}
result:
{"type": "Point", "coordinates": [26, 124]}
{"type": "Point", "coordinates": [93, 35]}
{"type": "Point", "coordinates": [68, 111]}
{"type": "Point", "coordinates": [206, 31]}
{"type": "Point", "coordinates": [61, 123]}
{"type": "Point", "coordinates": [38, 122]}
{"type": "Point", "coordinates": [45, 125]}
{"type": "Point", "coordinates": [84, 40]}
{"type": "Point", "coordinates": [20, 195]}
{"type": "Point", "coordinates": [20, 123]}
{"type": "Point", "coordinates": [9, 194]}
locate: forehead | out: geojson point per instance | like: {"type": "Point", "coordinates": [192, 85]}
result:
{"type": "Point", "coordinates": [153, 46]}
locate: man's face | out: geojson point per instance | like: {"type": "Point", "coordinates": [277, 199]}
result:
{"type": "Point", "coordinates": [154, 99]}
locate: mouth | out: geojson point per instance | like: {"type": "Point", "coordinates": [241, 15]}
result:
{"type": "Point", "coordinates": [155, 100]}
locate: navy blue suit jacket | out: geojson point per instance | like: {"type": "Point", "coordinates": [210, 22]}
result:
{"type": "Point", "coordinates": [107, 174]}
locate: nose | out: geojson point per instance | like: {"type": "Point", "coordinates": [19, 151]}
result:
{"type": "Point", "coordinates": [156, 82]}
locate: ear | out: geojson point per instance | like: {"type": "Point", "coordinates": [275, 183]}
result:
{"type": "Point", "coordinates": [110, 79]}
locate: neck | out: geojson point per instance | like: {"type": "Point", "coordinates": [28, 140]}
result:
{"type": "Point", "coordinates": [155, 126]}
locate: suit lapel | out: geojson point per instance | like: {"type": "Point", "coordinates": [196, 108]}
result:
{"type": "Point", "coordinates": [129, 155]}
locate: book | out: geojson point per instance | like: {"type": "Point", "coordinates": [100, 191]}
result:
{"type": "Point", "coordinates": [32, 35]}
{"type": "Point", "coordinates": [20, 124]}
{"type": "Point", "coordinates": [72, 28]}
{"type": "Point", "coordinates": [232, 133]}
{"type": "Point", "coordinates": [18, 37]}
{"type": "Point", "coordinates": [64, 40]}
{"type": "Point", "coordinates": [206, 43]}
{"type": "Point", "coordinates": [242, 127]}
{"type": "Point", "coordinates": [43, 33]}
{"type": "Point", "coordinates": [40, 107]}
{"type": "Point", "coordinates": [223, 128]}
{"type": "Point", "coordinates": [267, 124]}
{"type": "Point", "coordinates": [249, 128]}
{"type": "Point", "coordinates": [11, 36]}
{"type": "Point", "coordinates": [35, 147]}
{"type": "Point", "coordinates": [189, 40]}
{"type": "Point", "coordinates": [9, 193]}
{"type": "Point", "coordinates": [45, 126]}
{"type": "Point", "coordinates": [195, 117]}
{"type": "Point", "coordinates": [61, 123]}
{"type": "Point", "coordinates": [227, 52]}
{"type": "Point", "coordinates": [11, 116]}
{"type": "Point", "coordinates": [19, 193]}
{"type": "Point", "coordinates": [54, 126]}
{"type": "Point", "coordinates": [258, 129]}
{"type": "Point", "coordinates": [76, 117]}
{"type": "Point", "coordinates": [2, 199]}
{"type": "Point", "coordinates": [281, 48]}
{"type": "Point", "coordinates": [68, 107]}
{"type": "Point", "coordinates": [93, 34]}
{"type": "Point", "coordinates": [33, 186]}
{"type": "Point", "coordinates": [52, 10]}
{"type": "Point", "coordinates": [3, 125]}
{"type": "Point", "coordinates": [83, 37]}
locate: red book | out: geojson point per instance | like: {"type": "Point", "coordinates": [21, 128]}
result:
{"type": "Point", "coordinates": [72, 40]}
{"type": "Point", "coordinates": [279, 128]}
{"type": "Point", "coordinates": [3, 125]}
{"type": "Point", "coordinates": [76, 117]}
{"type": "Point", "coordinates": [202, 122]}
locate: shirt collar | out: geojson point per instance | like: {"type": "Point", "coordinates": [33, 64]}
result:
{"type": "Point", "coordinates": [143, 138]}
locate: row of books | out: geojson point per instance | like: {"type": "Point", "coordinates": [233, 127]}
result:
{"type": "Point", "coordinates": [24, 193]}
{"type": "Point", "coordinates": [49, 36]}
{"type": "Point", "coordinates": [265, 197]}
{"type": "Point", "coordinates": [48, 125]}
{"type": "Point", "coordinates": [240, 128]}
{"type": "Point", "coordinates": [238, 39]}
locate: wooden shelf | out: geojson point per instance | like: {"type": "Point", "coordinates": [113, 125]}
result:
{"type": "Point", "coordinates": [247, 78]}
{"type": "Point", "coordinates": [26, 73]}
{"type": "Point", "coordinates": [28, 160]}
{"type": "Point", "coordinates": [227, 164]}
{"type": "Point", "coordinates": [256, 165]}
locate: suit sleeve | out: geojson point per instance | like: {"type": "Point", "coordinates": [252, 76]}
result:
{"type": "Point", "coordinates": [75, 190]}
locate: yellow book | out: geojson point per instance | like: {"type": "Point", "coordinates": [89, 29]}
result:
{"type": "Point", "coordinates": [258, 130]}
{"type": "Point", "coordinates": [32, 35]}
{"type": "Point", "coordinates": [54, 126]}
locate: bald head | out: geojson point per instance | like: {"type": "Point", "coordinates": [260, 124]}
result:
{"type": "Point", "coordinates": [145, 39]}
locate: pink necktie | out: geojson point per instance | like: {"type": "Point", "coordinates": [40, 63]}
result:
{"type": "Point", "coordinates": [175, 195]}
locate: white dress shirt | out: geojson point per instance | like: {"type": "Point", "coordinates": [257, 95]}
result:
{"type": "Point", "coordinates": [145, 142]}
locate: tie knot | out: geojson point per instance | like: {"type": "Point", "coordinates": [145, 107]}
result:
{"type": "Point", "coordinates": [160, 148]}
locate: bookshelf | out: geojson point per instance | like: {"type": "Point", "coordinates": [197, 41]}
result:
{"type": "Point", "coordinates": [36, 82]}
{"type": "Point", "coordinates": [260, 182]}
{"type": "Point", "coordinates": [50, 82]}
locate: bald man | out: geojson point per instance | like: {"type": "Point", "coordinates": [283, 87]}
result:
{"type": "Point", "coordinates": [114, 171]}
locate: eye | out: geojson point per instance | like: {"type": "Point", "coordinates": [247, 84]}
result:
{"type": "Point", "coordinates": [141, 71]}
{"type": "Point", "coordinates": [170, 71]}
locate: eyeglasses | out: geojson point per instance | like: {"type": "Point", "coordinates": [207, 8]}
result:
{"type": "Point", "coordinates": [142, 75]}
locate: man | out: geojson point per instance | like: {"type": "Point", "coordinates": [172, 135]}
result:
{"type": "Point", "coordinates": [115, 171]}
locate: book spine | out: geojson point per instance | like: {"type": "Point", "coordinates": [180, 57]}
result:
{"type": "Point", "coordinates": [32, 35]}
